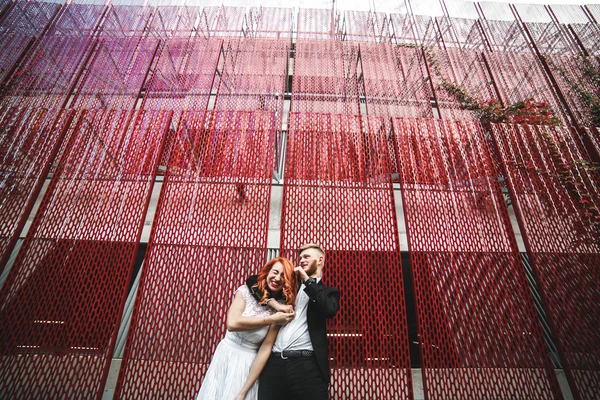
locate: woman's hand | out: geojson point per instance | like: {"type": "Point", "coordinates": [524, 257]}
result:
{"type": "Point", "coordinates": [281, 318]}
{"type": "Point", "coordinates": [285, 308]}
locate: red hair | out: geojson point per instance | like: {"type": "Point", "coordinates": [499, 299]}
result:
{"type": "Point", "coordinates": [290, 281]}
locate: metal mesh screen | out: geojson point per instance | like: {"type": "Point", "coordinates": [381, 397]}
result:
{"type": "Point", "coordinates": [338, 193]}
{"type": "Point", "coordinates": [126, 20]}
{"type": "Point", "coordinates": [209, 235]}
{"type": "Point", "coordinates": [61, 304]}
{"type": "Point", "coordinates": [557, 199]}
{"type": "Point", "coordinates": [519, 76]}
{"type": "Point", "coordinates": [71, 75]}
{"type": "Point", "coordinates": [28, 144]}
{"type": "Point", "coordinates": [316, 23]}
{"type": "Point", "coordinates": [184, 74]}
{"type": "Point", "coordinates": [254, 76]}
{"type": "Point", "coordinates": [49, 77]}
{"type": "Point", "coordinates": [395, 82]}
{"type": "Point", "coordinates": [270, 22]}
{"type": "Point", "coordinates": [453, 68]}
{"type": "Point", "coordinates": [478, 330]}
{"type": "Point", "coordinates": [224, 21]}
{"type": "Point", "coordinates": [325, 77]}
{"type": "Point", "coordinates": [358, 25]}
{"type": "Point", "coordinates": [175, 21]}
{"type": "Point", "coordinates": [19, 29]}
{"type": "Point", "coordinates": [116, 73]}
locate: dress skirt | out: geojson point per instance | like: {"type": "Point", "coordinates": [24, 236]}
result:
{"type": "Point", "coordinates": [227, 372]}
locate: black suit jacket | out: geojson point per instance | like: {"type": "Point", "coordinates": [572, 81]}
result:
{"type": "Point", "coordinates": [323, 304]}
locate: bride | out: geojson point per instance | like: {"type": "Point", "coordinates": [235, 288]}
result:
{"type": "Point", "coordinates": [250, 324]}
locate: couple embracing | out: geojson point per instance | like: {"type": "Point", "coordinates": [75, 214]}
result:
{"type": "Point", "coordinates": [277, 332]}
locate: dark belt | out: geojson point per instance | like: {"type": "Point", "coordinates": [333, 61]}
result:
{"type": "Point", "coordinates": [293, 354]}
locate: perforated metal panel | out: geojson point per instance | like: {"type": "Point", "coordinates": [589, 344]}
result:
{"type": "Point", "coordinates": [223, 21]}
{"type": "Point", "coordinates": [316, 23]}
{"type": "Point", "coordinates": [126, 20]}
{"type": "Point", "coordinates": [48, 78]}
{"type": "Point", "coordinates": [519, 76]}
{"type": "Point", "coordinates": [209, 235]}
{"type": "Point", "coordinates": [19, 29]}
{"type": "Point", "coordinates": [124, 57]}
{"type": "Point", "coordinates": [478, 329]}
{"type": "Point", "coordinates": [28, 144]}
{"type": "Point", "coordinates": [61, 304]}
{"type": "Point", "coordinates": [254, 75]}
{"type": "Point", "coordinates": [557, 199]}
{"type": "Point", "coordinates": [358, 25]}
{"type": "Point", "coordinates": [270, 22]}
{"type": "Point", "coordinates": [338, 193]}
{"type": "Point", "coordinates": [325, 77]}
{"type": "Point", "coordinates": [395, 82]}
{"type": "Point", "coordinates": [461, 68]}
{"type": "Point", "coordinates": [116, 73]}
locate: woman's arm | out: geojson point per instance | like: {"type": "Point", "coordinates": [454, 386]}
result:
{"type": "Point", "coordinates": [238, 322]}
{"type": "Point", "coordinates": [260, 361]}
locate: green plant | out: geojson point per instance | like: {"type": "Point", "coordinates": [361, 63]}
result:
{"type": "Point", "coordinates": [532, 112]}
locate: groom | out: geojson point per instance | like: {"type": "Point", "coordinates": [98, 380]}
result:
{"type": "Point", "coordinates": [299, 364]}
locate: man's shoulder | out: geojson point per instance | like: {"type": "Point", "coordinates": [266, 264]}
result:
{"type": "Point", "coordinates": [329, 288]}
{"type": "Point", "coordinates": [252, 285]}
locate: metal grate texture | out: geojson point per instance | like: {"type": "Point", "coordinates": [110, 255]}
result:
{"type": "Point", "coordinates": [478, 329]}
{"type": "Point", "coordinates": [123, 21]}
{"type": "Point", "coordinates": [316, 23]}
{"type": "Point", "coordinates": [270, 22]}
{"type": "Point", "coordinates": [395, 82]}
{"type": "Point", "coordinates": [358, 25]}
{"type": "Point", "coordinates": [116, 73]}
{"type": "Point", "coordinates": [184, 74]}
{"type": "Point", "coordinates": [19, 28]}
{"type": "Point", "coordinates": [223, 21]}
{"type": "Point", "coordinates": [325, 77]}
{"type": "Point", "coordinates": [174, 21]}
{"type": "Point", "coordinates": [253, 76]}
{"type": "Point", "coordinates": [28, 144]}
{"type": "Point", "coordinates": [338, 193]}
{"type": "Point", "coordinates": [209, 235]}
{"type": "Point", "coordinates": [557, 198]}
{"type": "Point", "coordinates": [61, 303]}
{"type": "Point", "coordinates": [519, 76]}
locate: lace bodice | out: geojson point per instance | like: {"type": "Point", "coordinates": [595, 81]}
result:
{"type": "Point", "coordinates": [251, 339]}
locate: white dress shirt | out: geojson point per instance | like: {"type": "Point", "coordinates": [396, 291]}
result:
{"type": "Point", "coordinates": [294, 335]}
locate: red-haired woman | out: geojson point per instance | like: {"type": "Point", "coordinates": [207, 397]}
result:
{"type": "Point", "coordinates": [251, 323]}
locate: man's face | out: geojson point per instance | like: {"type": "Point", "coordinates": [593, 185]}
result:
{"type": "Point", "coordinates": [309, 261]}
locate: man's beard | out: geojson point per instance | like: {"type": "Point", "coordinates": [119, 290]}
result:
{"type": "Point", "coordinates": [312, 268]}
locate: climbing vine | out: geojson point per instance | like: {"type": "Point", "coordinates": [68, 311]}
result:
{"type": "Point", "coordinates": [532, 112]}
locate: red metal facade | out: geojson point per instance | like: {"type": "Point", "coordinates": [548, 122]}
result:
{"type": "Point", "coordinates": [62, 300]}
{"type": "Point", "coordinates": [557, 199]}
{"type": "Point", "coordinates": [29, 143]}
{"type": "Point", "coordinates": [474, 307]}
{"type": "Point", "coordinates": [209, 235]}
{"type": "Point", "coordinates": [338, 192]}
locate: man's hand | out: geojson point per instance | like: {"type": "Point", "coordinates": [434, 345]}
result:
{"type": "Point", "coordinates": [301, 273]}
{"type": "Point", "coordinates": [282, 318]}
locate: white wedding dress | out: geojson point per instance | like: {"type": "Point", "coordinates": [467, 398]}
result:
{"type": "Point", "coordinates": [231, 362]}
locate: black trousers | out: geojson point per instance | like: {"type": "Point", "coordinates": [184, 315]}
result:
{"type": "Point", "coordinates": [292, 379]}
